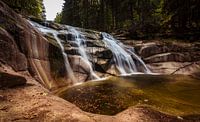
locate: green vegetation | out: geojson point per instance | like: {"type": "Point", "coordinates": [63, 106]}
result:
{"type": "Point", "coordinates": [182, 16]}
{"type": "Point", "coordinates": [176, 95]}
{"type": "Point", "coordinates": [141, 18]}
{"type": "Point", "coordinates": [28, 7]}
{"type": "Point", "coordinates": [58, 18]}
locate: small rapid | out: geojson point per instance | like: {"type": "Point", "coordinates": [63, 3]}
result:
{"type": "Point", "coordinates": [125, 59]}
{"type": "Point", "coordinates": [81, 42]}
{"type": "Point", "coordinates": [123, 56]}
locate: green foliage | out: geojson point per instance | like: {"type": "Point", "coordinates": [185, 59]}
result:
{"type": "Point", "coordinates": [28, 7]}
{"type": "Point", "coordinates": [58, 18]}
{"type": "Point", "coordinates": [108, 15]}
{"type": "Point", "coordinates": [142, 18]}
{"type": "Point", "coordinates": [182, 16]}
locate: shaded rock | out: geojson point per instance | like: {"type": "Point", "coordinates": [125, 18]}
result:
{"type": "Point", "coordinates": [9, 81]}
{"type": "Point", "coordinates": [80, 67]}
{"type": "Point", "coordinates": [72, 51]}
{"type": "Point", "coordinates": [197, 46]}
{"type": "Point", "coordinates": [165, 57]}
{"type": "Point", "coordinates": [177, 57]}
{"type": "Point", "coordinates": [102, 65]}
{"type": "Point", "coordinates": [49, 24]}
{"type": "Point", "coordinates": [150, 49]}
{"type": "Point", "coordinates": [25, 48]}
{"type": "Point", "coordinates": [54, 25]}
{"type": "Point", "coordinates": [57, 67]}
{"type": "Point", "coordinates": [90, 34]}
{"type": "Point", "coordinates": [113, 70]}
{"type": "Point", "coordinates": [186, 68]}
{"type": "Point", "coordinates": [66, 37]}
{"type": "Point", "coordinates": [72, 44]}
{"type": "Point", "coordinates": [91, 43]}
{"type": "Point", "coordinates": [105, 54]}
{"type": "Point", "coordinates": [9, 52]}
{"type": "Point", "coordinates": [103, 60]}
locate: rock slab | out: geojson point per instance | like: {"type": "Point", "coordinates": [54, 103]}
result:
{"type": "Point", "coordinates": [9, 81]}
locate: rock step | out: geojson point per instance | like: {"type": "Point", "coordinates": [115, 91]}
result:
{"type": "Point", "coordinates": [150, 50]}
{"type": "Point", "coordinates": [89, 43]}
{"type": "Point", "coordinates": [173, 56]}
{"type": "Point", "coordinates": [9, 80]}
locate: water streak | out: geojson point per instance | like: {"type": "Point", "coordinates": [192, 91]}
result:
{"type": "Point", "coordinates": [46, 30]}
{"type": "Point", "coordinates": [81, 41]}
{"type": "Point", "coordinates": [126, 61]}
{"type": "Point", "coordinates": [123, 56]}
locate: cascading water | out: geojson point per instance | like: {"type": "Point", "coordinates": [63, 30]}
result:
{"type": "Point", "coordinates": [123, 55]}
{"type": "Point", "coordinates": [81, 42]}
{"type": "Point", "coordinates": [126, 61]}
{"type": "Point", "coordinates": [46, 30]}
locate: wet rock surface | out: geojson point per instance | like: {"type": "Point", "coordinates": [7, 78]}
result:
{"type": "Point", "coordinates": [98, 54]}
{"type": "Point", "coordinates": [164, 56]}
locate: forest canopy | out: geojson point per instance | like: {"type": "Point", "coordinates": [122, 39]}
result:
{"type": "Point", "coordinates": [138, 17]}
{"type": "Point", "coordinates": [28, 7]}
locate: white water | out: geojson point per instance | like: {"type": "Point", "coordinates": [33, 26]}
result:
{"type": "Point", "coordinates": [123, 56]}
{"type": "Point", "coordinates": [81, 41]}
{"type": "Point", "coordinates": [46, 30]}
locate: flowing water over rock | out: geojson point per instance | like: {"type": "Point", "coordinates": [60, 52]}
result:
{"type": "Point", "coordinates": [124, 56]}
{"type": "Point", "coordinates": [81, 42]}
{"type": "Point", "coordinates": [76, 45]}
{"type": "Point", "coordinates": [54, 33]}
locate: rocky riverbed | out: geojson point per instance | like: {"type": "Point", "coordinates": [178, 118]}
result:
{"type": "Point", "coordinates": [31, 67]}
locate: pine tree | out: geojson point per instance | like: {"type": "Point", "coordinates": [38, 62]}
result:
{"type": "Point", "coordinates": [28, 7]}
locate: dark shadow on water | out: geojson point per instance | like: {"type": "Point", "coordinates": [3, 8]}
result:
{"type": "Point", "coordinates": [143, 81]}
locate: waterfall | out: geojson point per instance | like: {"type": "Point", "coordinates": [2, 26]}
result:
{"type": "Point", "coordinates": [46, 30]}
{"type": "Point", "coordinates": [67, 65]}
{"type": "Point", "coordinates": [123, 55]}
{"type": "Point", "coordinates": [81, 42]}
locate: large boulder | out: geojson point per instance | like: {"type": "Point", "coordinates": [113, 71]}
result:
{"type": "Point", "coordinates": [9, 81]}
{"type": "Point", "coordinates": [166, 57]}
{"type": "Point", "coordinates": [24, 48]}
{"type": "Point", "coordinates": [170, 57]}
{"type": "Point", "coordinates": [9, 52]}
{"type": "Point", "coordinates": [154, 52]}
